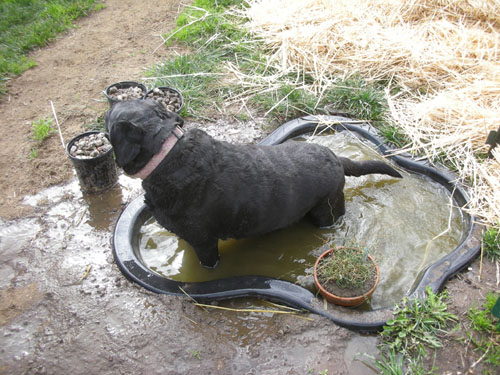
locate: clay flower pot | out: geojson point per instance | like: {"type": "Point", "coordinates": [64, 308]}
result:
{"type": "Point", "coordinates": [340, 295]}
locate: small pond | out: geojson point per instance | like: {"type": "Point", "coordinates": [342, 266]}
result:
{"type": "Point", "coordinates": [406, 224]}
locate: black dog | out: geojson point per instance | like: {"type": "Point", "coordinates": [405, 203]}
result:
{"type": "Point", "coordinates": [204, 190]}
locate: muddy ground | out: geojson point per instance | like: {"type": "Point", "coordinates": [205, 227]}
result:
{"type": "Point", "coordinates": [64, 305]}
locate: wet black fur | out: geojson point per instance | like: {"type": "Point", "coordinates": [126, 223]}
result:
{"type": "Point", "coordinates": [206, 190]}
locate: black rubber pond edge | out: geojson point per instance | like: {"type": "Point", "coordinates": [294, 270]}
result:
{"type": "Point", "coordinates": [125, 240]}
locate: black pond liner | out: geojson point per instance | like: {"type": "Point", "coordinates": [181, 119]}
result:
{"type": "Point", "coordinates": [125, 244]}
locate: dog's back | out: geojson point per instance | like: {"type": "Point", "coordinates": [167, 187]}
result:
{"type": "Point", "coordinates": [241, 190]}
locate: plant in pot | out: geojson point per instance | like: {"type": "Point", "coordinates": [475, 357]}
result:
{"type": "Point", "coordinates": [346, 275]}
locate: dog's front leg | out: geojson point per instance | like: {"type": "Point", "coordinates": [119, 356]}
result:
{"type": "Point", "coordinates": [208, 253]}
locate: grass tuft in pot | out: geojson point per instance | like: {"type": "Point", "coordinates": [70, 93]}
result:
{"type": "Point", "coordinates": [347, 271]}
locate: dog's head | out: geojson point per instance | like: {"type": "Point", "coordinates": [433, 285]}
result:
{"type": "Point", "coordinates": [137, 130]}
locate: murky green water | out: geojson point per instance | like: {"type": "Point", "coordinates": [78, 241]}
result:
{"type": "Point", "coordinates": [403, 222]}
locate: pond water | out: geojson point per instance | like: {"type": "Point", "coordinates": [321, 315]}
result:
{"type": "Point", "coordinates": [406, 224]}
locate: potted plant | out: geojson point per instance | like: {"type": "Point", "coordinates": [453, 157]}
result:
{"type": "Point", "coordinates": [346, 275]}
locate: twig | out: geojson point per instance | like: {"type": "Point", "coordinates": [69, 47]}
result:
{"type": "Point", "coordinates": [481, 262]}
{"type": "Point", "coordinates": [283, 307]}
{"type": "Point", "coordinates": [188, 296]}
{"type": "Point", "coordinates": [80, 218]}
{"type": "Point", "coordinates": [57, 122]}
{"type": "Point", "coordinates": [87, 272]}
{"type": "Point", "coordinates": [282, 99]}
{"type": "Point", "coordinates": [183, 75]}
{"type": "Point", "coordinates": [480, 359]}
{"type": "Point", "coordinates": [426, 253]}
{"type": "Point", "coordinates": [247, 310]}
{"type": "Point", "coordinates": [191, 320]}
{"type": "Point", "coordinates": [498, 273]}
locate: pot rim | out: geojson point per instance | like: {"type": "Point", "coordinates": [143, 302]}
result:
{"type": "Point", "coordinates": [124, 84]}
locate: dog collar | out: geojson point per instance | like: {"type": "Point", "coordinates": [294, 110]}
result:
{"type": "Point", "coordinates": [169, 143]}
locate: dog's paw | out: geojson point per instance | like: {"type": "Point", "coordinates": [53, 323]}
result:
{"type": "Point", "coordinates": [213, 266]}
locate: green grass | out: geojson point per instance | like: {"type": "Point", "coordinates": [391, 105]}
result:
{"type": "Point", "coordinates": [392, 134]}
{"type": "Point", "coordinates": [28, 24]}
{"type": "Point", "coordinates": [417, 326]}
{"type": "Point", "coordinates": [359, 99]}
{"type": "Point", "coordinates": [217, 38]}
{"type": "Point", "coordinates": [347, 267]}
{"type": "Point", "coordinates": [97, 124]}
{"type": "Point", "coordinates": [491, 243]}
{"type": "Point", "coordinates": [483, 332]}
{"type": "Point", "coordinates": [196, 77]}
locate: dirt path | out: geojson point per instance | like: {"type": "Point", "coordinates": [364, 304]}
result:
{"type": "Point", "coordinates": [112, 45]}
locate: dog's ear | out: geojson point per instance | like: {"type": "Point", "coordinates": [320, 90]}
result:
{"type": "Point", "coordinates": [126, 139]}
{"type": "Point", "coordinates": [106, 120]}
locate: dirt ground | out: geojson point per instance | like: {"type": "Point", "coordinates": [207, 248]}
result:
{"type": "Point", "coordinates": [64, 305]}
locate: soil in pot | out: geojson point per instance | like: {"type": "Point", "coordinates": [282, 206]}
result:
{"type": "Point", "coordinates": [123, 91]}
{"type": "Point", "coordinates": [171, 99]}
{"type": "Point", "coordinates": [347, 272]}
{"type": "Point", "coordinates": [90, 146]}
{"type": "Point", "coordinates": [122, 94]}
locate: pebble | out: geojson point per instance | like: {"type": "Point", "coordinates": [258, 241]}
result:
{"type": "Point", "coordinates": [130, 93]}
{"type": "Point", "coordinates": [171, 100]}
{"type": "Point", "coordinates": [90, 146]}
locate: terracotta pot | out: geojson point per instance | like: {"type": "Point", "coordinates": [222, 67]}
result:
{"type": "Point", "coordinates": [339, 300]}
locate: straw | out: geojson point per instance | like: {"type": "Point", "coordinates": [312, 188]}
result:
{"type": "Point", "coordinates": [439, 61]}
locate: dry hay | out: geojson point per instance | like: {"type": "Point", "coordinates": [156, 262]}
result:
{"type": "Point", "coordinates": [442, 56]}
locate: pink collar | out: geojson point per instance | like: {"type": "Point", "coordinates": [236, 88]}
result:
{"type": "Point", "coordinates": [169, 143]}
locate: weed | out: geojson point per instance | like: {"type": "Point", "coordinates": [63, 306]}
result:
{"type": "Point", "coordinates": [42, 128]}
{"type": "Point", "coordinates": [389, 364]}
{"type": "Point", "coordinates": [491, 243]}
{"type": "Point", "coordinates": [285, 102]}
{"type": "Point", "coordinates": [416, 327]}
{"type": "Point", "coordinates": [25, 25]}
{"type": "Point", "coordinates": [33, 153]}
{"type": "Point", "coordinates": [484, 335]}
{"type": "Point", "coordinates": [392, 134]}
{"type": "Point", "coordinates": [196, 354]}
{"type": "Point", "coordinates": [97, 125]}
{"type": "Point", "coordinates": [417, 324]}
{"type": "Point", "coordinates": [356, 97]}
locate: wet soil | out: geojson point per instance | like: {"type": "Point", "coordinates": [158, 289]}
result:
{"type": "Point", "coordinates": [64, 305]}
